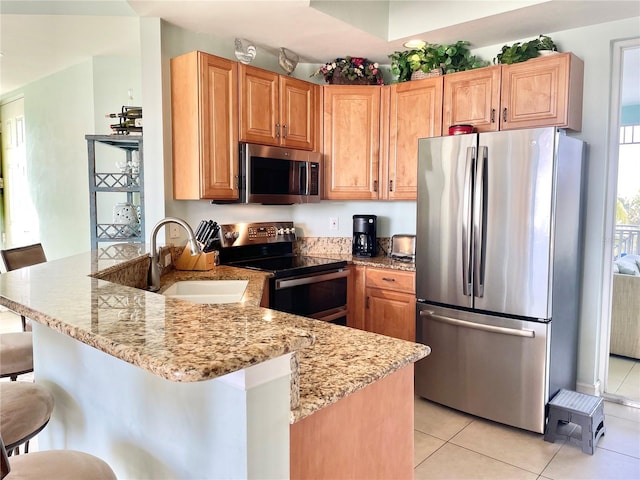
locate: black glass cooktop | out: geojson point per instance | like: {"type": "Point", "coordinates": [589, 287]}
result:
{"type": "Point", "coordinates": [294, 265]}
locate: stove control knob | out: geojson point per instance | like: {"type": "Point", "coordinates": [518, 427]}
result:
{"type": "Point", "coordinates": [280, 231]}
{"type": "Point", "coordinates": [231, 235]}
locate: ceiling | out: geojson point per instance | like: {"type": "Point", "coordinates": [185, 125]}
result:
{"type": "Point", "coordinates": [38, 38]}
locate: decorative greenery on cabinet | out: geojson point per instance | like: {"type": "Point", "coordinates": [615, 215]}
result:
{"type": "Point", "coordinates": [518, 52]}
{"type": "Point", "coordinates": [445, 58]}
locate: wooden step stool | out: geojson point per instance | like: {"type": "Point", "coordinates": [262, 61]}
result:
{"type": "Point", "coordinates": [580, 409]}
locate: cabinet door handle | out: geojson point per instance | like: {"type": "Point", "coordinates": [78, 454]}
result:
{"type": "Point", "coordinates": [493, 115]}
{"type": "Point", "coordinates": [375, 185]}
{"type": "Point", "coordinates": [504, 115]}
{"type": "Point", "coordinates": [277, 130]}
{"type": "Point", "coordinates": [284, 131]}
{"type": "Point", "coordinates": [391, 185]}
{"type": "Point", "coordinates": [366, 302]}
{"type": "Point", "coordinates": [388, 279]}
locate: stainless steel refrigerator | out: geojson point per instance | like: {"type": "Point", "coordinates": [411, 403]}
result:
{"type": "Point", "coordinates": [498, 255]}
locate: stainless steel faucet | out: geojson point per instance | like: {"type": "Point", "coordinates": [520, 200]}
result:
{"type": "Point", "coordinates": [156, 262]}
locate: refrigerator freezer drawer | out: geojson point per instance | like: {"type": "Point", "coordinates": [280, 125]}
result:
{"type": "Point", "coordinates": [492, 367]}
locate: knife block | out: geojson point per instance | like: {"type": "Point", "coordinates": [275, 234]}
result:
{"type": "Point", "coordinates": [201, 262]}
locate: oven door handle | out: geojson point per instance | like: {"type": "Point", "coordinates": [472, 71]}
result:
{"type": "Point", "coordinates": [330, 315]}
{"type": "Point", "coordinates": [307, 279]}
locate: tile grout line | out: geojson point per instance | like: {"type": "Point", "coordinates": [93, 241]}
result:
{"type": "Point", "coordinates": [429, 456]}
{"type": "Point", "coordinates": [499, 460]}
{"type": "Point", "coordinates": [564, 444]}
{"type": "Point", "coordinates": [624, 379]}
{"type": "Point", "coordinates": [619, 453]}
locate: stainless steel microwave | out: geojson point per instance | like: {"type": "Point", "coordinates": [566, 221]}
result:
{"type": "Point", "coordinates": [278, 176]}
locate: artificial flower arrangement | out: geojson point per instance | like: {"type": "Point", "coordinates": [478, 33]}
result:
{"type": "Point", "coordinates": [351, 70]}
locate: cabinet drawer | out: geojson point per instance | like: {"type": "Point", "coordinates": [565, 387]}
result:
{"type": "Point", "coordinates": [391, 279]}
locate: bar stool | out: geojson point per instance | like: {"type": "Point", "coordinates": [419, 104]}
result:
{"type": "Point", "coordinates": [20, 257]}
{"type": "Point", "coordinates": [25, 409]}
{"type": "Point", "coordinates": [16, 354]}
{"type": "Point", "coordinates": [54, 465]}
{"type": "Point", "coordinates": [16, 349]}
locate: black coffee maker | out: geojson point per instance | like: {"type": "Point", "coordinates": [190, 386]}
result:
{"type": "Point", "coordinates": [365, 243]}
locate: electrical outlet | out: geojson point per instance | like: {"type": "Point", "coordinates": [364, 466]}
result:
{"type": "Point", "coordinates": [174, 230]}
{"type": "Point", "coordinates": [167, 260]}
{"type": "Point", "coordinates": [333, 223]}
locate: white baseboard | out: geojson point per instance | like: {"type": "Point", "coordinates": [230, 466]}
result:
{"type": "Point", "coordinates": [589, 388]}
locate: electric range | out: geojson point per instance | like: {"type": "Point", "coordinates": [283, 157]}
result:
{"type": "Point", "coordinates": [310, 286]}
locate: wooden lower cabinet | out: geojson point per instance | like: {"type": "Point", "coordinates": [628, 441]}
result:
{"type": "Point", "coordinates": [390, 313]}
{"type": "Point", "coordinates": [382, 300]}
{"type": "Point", "coordinates": [368, 434]}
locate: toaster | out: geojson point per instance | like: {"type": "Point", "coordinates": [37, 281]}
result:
{"type": "Point", "coordinates": [403, 247]}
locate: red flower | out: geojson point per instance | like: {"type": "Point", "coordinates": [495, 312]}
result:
{"type": "Point", "coordinates": [352, 68]}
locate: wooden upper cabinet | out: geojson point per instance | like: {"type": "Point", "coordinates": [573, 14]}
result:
{"type": "Point", "coordinates": [415, 111]}
{"type": "Point", "coordinates": [545, 91]}
{"type": "Point", "coordinates": [371, 138]}
{"type": "Point", "coordinates": [276, 110]}
{"type": "Point", "coordinates": [298, 113]}
{"type": "Point", "coordinates": [472, 97]}
{"type": "Point", "coordinates": [258, 105]}
{"type": "Point", "coordinates": [204, 123]}
{"type": "Point", "coordinates": [351, 142]}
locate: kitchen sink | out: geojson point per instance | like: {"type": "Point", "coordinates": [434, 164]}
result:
{"type": "Point", "coordinates": [208, 291]}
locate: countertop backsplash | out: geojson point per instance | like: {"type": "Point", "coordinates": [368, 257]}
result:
{"type": "Point", "coordinates": [318, 246]}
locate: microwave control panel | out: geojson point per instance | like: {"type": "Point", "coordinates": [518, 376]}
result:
{"type": "Point", "coordinates": [240, 234]}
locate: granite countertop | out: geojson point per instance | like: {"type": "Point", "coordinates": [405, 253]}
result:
{"type": "Point", "coordinates": [381, 261]}
{"type": "Point", "coordinates": [187, 342]}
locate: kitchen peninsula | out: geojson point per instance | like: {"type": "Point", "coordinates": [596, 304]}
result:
{"type": "Point", "coordinates": [162, 388]}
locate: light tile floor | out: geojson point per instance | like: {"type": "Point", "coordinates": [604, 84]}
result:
{"type": "Point", "coordinates": [624, 377]}
{"type": "Point", "coordinates": [453, 445]}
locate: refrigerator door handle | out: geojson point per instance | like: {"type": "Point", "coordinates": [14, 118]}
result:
{"type": "Point", "coordinates": [466, 222]}
{"type": "Point", "coordinates": [479, 223]}
{"type": "Point", "coordinates": [478, 326]}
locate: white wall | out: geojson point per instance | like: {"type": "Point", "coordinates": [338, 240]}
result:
{"type": "Point", "coordinates": [155, 113]}
{"type": "Point", "coordinates": [58, 111]}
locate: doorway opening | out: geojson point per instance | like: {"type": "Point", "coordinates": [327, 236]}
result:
{"type": "Point", "coordinates": [19, 218]}
{"type": "Point", "coordinates": [622, 373]}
